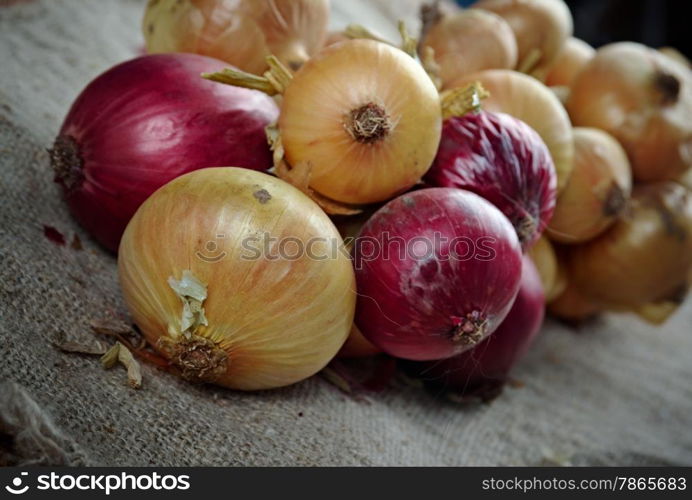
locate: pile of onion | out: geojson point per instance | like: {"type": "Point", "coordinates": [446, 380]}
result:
{"type": "Point", "coordinates": [483, 370]}
{"type": "Point", "coordinates": [646, 256]}
{"type": "Point", "coordinates": [541, 28]}
{"type": "Point", "coordinates": [144, 122]}
{"type": "Point", "coordinates": [468, 41]}
{"type": "Point", "coordinates": [644, 99]}
{"type": "Point", "coordinates": [437, 271]}
{"type": "Point", "coordinates": [242, 32]}
{"type": "Point", "coordinates": [530, 101]}
{"type": "Point", "coordinates": [224, 272]}
{"type": "Point", "coordinates": [360, 122]}
{"type": "Point", "coordinates": [503, 160]}
{"type": "Point", "coordinates": [597, 190]}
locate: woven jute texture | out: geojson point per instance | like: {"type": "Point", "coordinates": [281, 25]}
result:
{"type": "Point", "coordinates": [617, 392]}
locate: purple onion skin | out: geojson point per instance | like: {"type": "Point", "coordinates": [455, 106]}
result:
{"type": "Point", "coordinates": [503, 160]}
{"type": "Point", "coordinates": [483, 369]}
{"type": "Point", "coordinates": [145, 122]}
{"type": "Point", "coordinates": [433, 302]}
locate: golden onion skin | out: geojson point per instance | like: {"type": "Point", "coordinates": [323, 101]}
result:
{"type": "Point", "coordinates": [242, 32]}
{"type": "Point", "coordinates": [597, 190]}
{"type": "Point", "coordinates": [342, 79]}
{"type": "Point", "coordinates": [575, 54]}
{"type": "Point", "coordinates": [645, 257]}
{"type": "Point", "coordinates": [468, 41]}
{"type": "Point", "coordinates": [527, 99]}
{"type": "Point", "coordinates": [545, 259]}
{"type": "Point", "coordinates": [279, 320]}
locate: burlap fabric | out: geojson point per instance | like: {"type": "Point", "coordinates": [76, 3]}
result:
{"type": "Point", "coordinates": [617, 392]}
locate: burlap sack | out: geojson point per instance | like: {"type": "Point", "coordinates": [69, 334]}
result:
{"type": "Point", "coordinates": [616, 393]}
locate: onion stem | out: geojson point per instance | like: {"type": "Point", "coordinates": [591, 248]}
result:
{"type": "Point", "coordinates": [274, 81]}
{"type": "Point", "coordinates": [463, 100]}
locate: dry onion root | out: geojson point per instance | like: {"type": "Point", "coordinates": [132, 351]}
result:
{"type": "Point", "coordinates": [204, 275]}
{"type": "Point", "coordinates": [645, 257]}
{"type": "Point", "coordinates": [644, 99]}
{"type": "Point", "coordinates": [597, 190]}
{"type": "Point", "coordinates": [360, 122]}
{"type": "Point", "coordinates": [530, 101]}
{"type": "Point", "coordinates": [467, 41]}
{"type": "Point", "coordinates": [541, 28]}
{"type": "Point", "coordinates": [242, 33]}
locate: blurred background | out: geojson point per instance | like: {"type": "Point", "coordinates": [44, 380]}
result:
{"type": "Point", "coordinates": [656, 23]}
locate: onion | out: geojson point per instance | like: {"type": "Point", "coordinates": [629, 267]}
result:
{"type": "Point", "coordinates": [144, 122]}
{"type": "Point", "coordinates": [467, 41]}
{"type": "Point", "coordinates": [484, 369]}
{"type": "Point", "coordinates": [503, 160]}
{"type": "Point", "coordinates": [572, 306]}
{"type": "Point", "coordinates": [644, 99]}
{"type": "Point", "coordinates": [647, 254]}
{"type": "Point", "coordinates": [362, 115]}
{"type": "Point", "coordinates": [241, 32]}
{"type": "Point", "coordinates": [224, 271]}
{"type": "Point", "coordinates": [530, 101]}
{"type": "Point", "coordinates": [569, 62]}
{"type": "Point", "coordinates": [357, 346]}
{"type": "Point", "coordinates": [541, 28]}
{"type": "Point", "coordinates": [545, 259]}
{"type": "Point", "coordinates": [437, 270]}
{"type": "Point", "coordinates": [597, 190]}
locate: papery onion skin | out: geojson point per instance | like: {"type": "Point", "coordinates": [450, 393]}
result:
{"type": "Point", "coordinates": [597, 190]}
{"type": "Point", "coordinates": [530, 101]}
{"type": "Point", "coordinates": [347, 83]}
{"type": "Point", "coordinates": [431, 296]}
{"type": "Point", "coordinates": [545, 259]}
{"type": "Point", "coordinates": [644, 99]}
{"type": "Point", "coordinates": [575, 54]}
{"type": "Point", "coordinates": [242, 33]}
{"type": "Point", "coordinates": [485, 367]}
{"type": "Point", "coordinates": [503, 160]}
{"type": "Point", "coordinates": [540, 26]}
{"type": "Point", "coordinates": [468, 41]}
{"type": "Point", "coordinates": [145, 122]}
{"type": "Point", "coordinates": [273, 319]}
{"type": "Point", "coordinates": [647, 254]}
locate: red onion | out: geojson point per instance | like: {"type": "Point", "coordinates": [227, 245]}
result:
{"type": "Point", "coordinates": [437, 271]}
{"type": "Point", "coordinates": [146, 121]}
{"type": "Point", "coordinates": [483, 369]}
{"type": "Point", "coordinates": [503, 160]}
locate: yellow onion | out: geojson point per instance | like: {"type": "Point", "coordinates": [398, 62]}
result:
{"type": "Point", "coordinates": [644, 99]}
{"type": "Point", "coordinates": [686, 179]}
{"type": "Point", "coordinates": [573, 306]}
{"type": "Point", "coordinates": [597, 190]}
{"type": "Point", "coordinates": [360, 121]}
{"type": "Point", "coordinates": [569, 62]}
{"type": "Point", "coordinates": [645, 257]}
{"type": "Point", "coordinates": [468, 41]}
{"type": "Point", "coordinates": [676, 55]}
{"type": "Point", "coordinates": [533, 103]}
{"type": "Point", "coordinates": [224, 271]}
{"type": "Point", "coordinates": [541, 28]}
{"type": "Point", "coordinates": [240, 32]}
{"type": "Point", "coordinates": [544, 257]}
{"type": "Point", "coordinates": [357, 346]}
